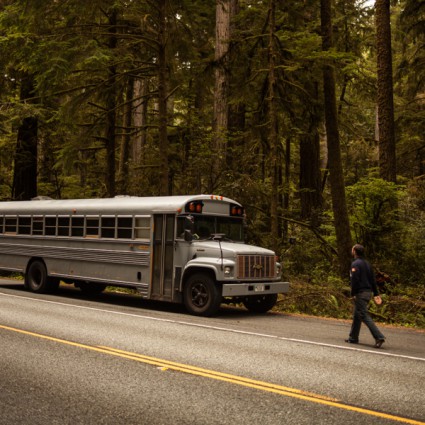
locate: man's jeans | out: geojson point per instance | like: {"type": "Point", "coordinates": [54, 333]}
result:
{"type": "Point", "coordinates": [361, 314]}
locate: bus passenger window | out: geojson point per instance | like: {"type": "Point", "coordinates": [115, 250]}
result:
{"type": "Point", "coordinates": [77, 227]}
{"type": "Point", "coordinates": [50, 226]}
{"type": "Point", "coordinates": [63, 226]}
{"type": "Point", "coordinates": [24, 225]}
{"type": "Point", "coordinates": [1, 224]}
{"type": "Point", "coordinates": [125, 227]}
{"type": "Point", "coordinates": [92, 227]}
{"type": "Point", "coordinates": [10, 225]}
{"type": "Point", "coordinates": [108, 227]}
{"type": "Point", "coordinates": [37, 225]}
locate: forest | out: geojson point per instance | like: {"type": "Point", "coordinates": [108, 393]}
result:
{"type": "Point", "coordinates": [311, 113]}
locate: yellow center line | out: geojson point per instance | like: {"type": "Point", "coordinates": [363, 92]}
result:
{"type": "Point", "coordinates": [179, 367]}
{"type": "Point", "coordinates": [233, 379]}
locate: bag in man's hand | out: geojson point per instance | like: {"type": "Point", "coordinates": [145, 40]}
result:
{"type": "Point", "coordinates": [378, 300]}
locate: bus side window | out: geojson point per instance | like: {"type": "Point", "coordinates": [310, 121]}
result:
{"type": "Point", "coordinates": [77, 227]}
{"type": "Point", "coordinates": [92, 227]}
{"type": "Point", "coordinates": [37, 225]}
{"type": "Point", "coordinates": [10, 225]}
{"type": "Point", "coordinates": [50, 226]}
{"type": "Point", "coordinates": [108, 227]}
{"type": "Point", "coordinates": [63, 226]}
{"type": "Point", "coordinates": [180, 227]}
{"type": "Point", "coordinates": [24, 225]}
{"type": "Point", "coordinates": [1, 224]}
{"type": "Point", "coordinates": [125, 227]}
{"type": "Point", "coordinates": [142, 228]}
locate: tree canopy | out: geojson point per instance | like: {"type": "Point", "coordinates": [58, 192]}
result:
{"type": "Point", "coordinates": [230, 97]}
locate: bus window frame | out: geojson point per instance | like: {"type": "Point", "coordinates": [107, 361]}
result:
{"type": "Point", "coordinates": [6, 224]}
{"type": "Point", "coordinates": [108, 228]}
{"type": "Point", "coordinates": [91, 227]}
{"type": "Point", "coordinates": [137, 228]}
{"type": "Point", "coordinates": [60, 226]}
{"type": "Point", "coordinates": [120, 229]}
{"type": "Point", "coordinates": [49, 226]}
{"type": "Point", "coordinates": [36, 219]}
{"type": "Point", "coordinates": [22, 225]}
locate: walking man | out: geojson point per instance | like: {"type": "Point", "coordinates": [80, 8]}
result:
{"type": "Point", "coordinates": [363, 284]}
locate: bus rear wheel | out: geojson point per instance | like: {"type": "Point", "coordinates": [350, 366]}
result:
{"type": "Point", "coordinates": [260, 303]}
{"type": "Point", "coordinates": [37, 280]}
{"type": "Point", "coordinates": [201, 295]}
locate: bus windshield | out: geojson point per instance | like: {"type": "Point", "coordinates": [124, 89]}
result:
{"type": "Point", "coordinates": [206, 225]}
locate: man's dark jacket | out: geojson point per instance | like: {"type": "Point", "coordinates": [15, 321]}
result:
{"type": "Point", "coordinates": [362, 277]}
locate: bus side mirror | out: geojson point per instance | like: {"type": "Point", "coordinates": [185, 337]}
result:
{"type": "Point", "coordinates": [188, 237]}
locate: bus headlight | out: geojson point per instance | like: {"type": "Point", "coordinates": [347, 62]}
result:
{"type": "Point", "coordinates": [228, 271]}
{"type": "Point", "coordinates": [278, 270]}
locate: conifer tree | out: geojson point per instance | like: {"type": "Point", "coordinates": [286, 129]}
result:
{"type": "Point", "coordinates": [336, 174]}
{"type": "Point", "coordinates": [387, 145]}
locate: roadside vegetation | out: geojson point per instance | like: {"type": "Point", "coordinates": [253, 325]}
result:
{"type": "Point", "coordinates": [395, 242]}
{"type": "Point", "coordinates": [330, 298]}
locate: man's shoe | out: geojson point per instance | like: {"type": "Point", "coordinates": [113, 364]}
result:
{"type": "Point", "coordinates": [352, 341]}
{"type": "Point", "coordinates": [379, 342]}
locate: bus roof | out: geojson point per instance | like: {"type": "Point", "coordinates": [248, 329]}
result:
{"type": "Point", "coordinates": [109, 206]}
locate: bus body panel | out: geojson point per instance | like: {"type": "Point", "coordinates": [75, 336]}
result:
{"type": "Point", "coordinates": [120, 264]}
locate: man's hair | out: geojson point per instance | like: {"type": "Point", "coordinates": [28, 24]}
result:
{"type": "Point", "coordinates": [359, 249]}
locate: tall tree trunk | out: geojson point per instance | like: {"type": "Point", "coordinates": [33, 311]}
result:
{"type": "Point", "coordinates": [387, 149]}
{"type": "Point", "coordinates": [237, 110]}
{"type": "Point", "coordinates": [310, 175]}
{"type": "Point", "coordinates": [125, 144]}
{"type": "Point", "coordinates": [221, 85]}
{"type": "Point", "coordinates": [111, 105]}
{"type": "Point", "coordinates": [287, 190]}
{"type": "Point", "coordinates": [165, 186]}
{"type": "Point", "coordinates": [140, 120]}
{"type": "Point", "coordinates": [273, 131]}
{"type": "Point", "coordinates": [25, 167]}
{"type": "Point", "coordinates": [310, 182]}
{"type": "Point", "coordinates": [336, 175]}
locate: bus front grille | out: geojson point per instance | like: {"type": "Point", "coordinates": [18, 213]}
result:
{"type": "Point", "coordinates": [256, 267]}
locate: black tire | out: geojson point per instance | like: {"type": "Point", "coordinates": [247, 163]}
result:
{"type": "Point", "coordinates": [37, 280]}
{"type": "Point", "coordinates": [260, 303]}
{"type": "Point", "coordinates": [201, 295]}
{"type": "Point", "coordinates": [89, 288]}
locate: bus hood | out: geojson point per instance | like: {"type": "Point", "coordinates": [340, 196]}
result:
{"type": "Point", "coordinates": [229, 249]}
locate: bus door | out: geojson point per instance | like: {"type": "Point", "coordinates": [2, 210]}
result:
{"type": "Point", "coordinates": [163, 253]}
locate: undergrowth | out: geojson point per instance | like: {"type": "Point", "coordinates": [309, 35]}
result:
{"type": "Point", "coordinates": [401, 306]}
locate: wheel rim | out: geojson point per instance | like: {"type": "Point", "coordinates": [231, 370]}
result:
{"type": "Point", "coordinates": [199, 295]}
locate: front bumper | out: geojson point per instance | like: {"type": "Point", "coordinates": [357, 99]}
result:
{"type": "Point", "coordinates": [258, 288]}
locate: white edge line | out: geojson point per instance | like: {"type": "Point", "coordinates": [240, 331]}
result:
{"type": "Point", "coordinates": [218, 328]}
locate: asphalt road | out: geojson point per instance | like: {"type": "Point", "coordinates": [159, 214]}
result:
{"type": "Point", "coordinates": [115, 359]}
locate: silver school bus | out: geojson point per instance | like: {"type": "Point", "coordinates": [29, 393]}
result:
{"type": "Point", "coordinates": [186, 249]}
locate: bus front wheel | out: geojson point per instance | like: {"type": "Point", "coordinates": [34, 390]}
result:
{"type": "Point", "coordinates": [260, 303]}
{"type": "Point", "coordinates": [201, 295]}
{"type": "Point", "coordinates": [37, 280]}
